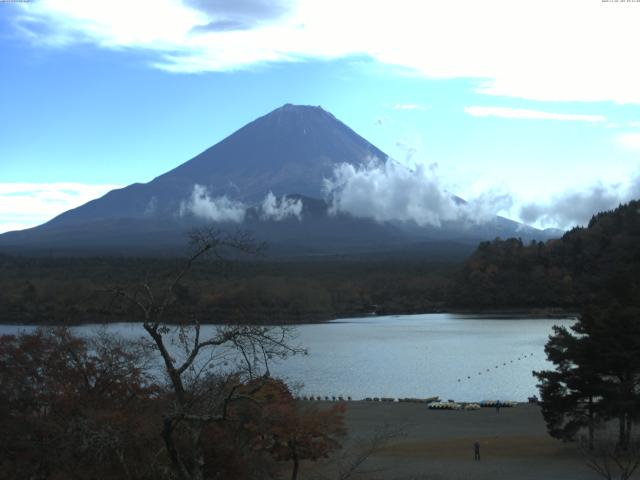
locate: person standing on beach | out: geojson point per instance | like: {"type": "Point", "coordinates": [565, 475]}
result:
{"type": "Point", "coordinates": [476, 452]}
{"type": "Point", "coordinates": [498, 406]}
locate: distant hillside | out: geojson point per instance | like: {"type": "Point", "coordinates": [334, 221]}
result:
{"type": "Point", "coordinates": [601, 261]}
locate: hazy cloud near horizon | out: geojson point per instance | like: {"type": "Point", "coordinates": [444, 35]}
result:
{"type": "Point", "coordinates": [26, 205]}
{"type": "Point", "coordinates": [576, 207]}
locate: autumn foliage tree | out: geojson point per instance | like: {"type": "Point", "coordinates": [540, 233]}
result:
{"type": "Point", "coordinates": [266, 428]}
{"type": "Point", "coordinates": [74, 408]}
{"type": "Point", "coordinates": [290, 431]}
{"type": "Point", "coordinates": [306, 434]}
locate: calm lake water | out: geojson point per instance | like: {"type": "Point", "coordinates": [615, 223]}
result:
{"type": "Point", "coordinates": [462, 357]}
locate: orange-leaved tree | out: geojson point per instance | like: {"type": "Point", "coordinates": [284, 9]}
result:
{"type": "Point", "coordinates": [290, 431]}
{"type": "Point", "coordinates": [69, 407]}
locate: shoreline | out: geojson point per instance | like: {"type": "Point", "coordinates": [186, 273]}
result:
{"type": "Point", "coordinates": [498, 314]}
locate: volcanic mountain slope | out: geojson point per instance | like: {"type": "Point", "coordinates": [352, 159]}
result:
{"type": "Point", "coordinates": [288, 152]}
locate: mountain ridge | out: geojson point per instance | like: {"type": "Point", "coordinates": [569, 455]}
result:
{"type": "Point", "coordinates": [286, 153]}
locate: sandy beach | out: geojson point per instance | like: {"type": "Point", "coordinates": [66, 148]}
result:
{"type": "Point", "coordinates": [438, 444]}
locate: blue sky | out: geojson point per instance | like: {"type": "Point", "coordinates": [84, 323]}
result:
{"type": "Point", "coordinates": [533, 100]}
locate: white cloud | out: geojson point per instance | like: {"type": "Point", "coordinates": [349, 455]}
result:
{"type": "Point", "coordinates": [387, 191]}
{"type": "Point", "coordinates": [218, 209]}
{"type": "Point", "coordinates": [410, 147]}
{"type": "Point", "coordinates": [487, 205]}
{"type": "Point", "coordinates": [152, 206]}
{"type": "Point", "coordinates": [224, 209]}
{"type": "Point", "coordinates": [573, 50]}
{"type": "Point", "coordinates": [520, 113]}
{"type": "Point", "coordinates": [26, 205]}
{"type": "Point", "coordinates": [629, 140]}
{"type": "Point", "coordinates": [391, 192]}
{"type": "Point", "coordinates": [408, 106]}
{"type": "Point", "coordinates": [274, 209]}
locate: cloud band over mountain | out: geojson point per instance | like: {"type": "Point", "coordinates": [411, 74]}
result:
{"type": "Point", "coordinates": [387, 191]}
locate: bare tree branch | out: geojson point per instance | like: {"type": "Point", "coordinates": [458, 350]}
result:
{"type": "Point", "coordinates": [198, 399]}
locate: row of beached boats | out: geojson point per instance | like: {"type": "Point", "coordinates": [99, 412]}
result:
{"type": "Point", "coordinates": [451, 405]}
{"type": "Point", "coordinates": [433, 402]}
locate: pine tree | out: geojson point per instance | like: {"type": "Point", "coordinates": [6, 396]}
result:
{"type": "Point", "coordinates": [571, 394]}
{"type": "Point", "coordinates": [596, 375]}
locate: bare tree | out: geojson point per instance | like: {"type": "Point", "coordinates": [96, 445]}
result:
{"type": "Point", "coordinates": [610, 460]}
{"type": "Point", "coordinates": [205, 371]}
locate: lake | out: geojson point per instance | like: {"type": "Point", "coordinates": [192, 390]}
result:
{"type": "Point", "coordinates": [462, 357]}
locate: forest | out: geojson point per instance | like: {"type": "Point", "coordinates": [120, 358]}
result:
{"type": "Point", "coordinates": [503, 274]}
{"type": "Point", "coordinates": [587, 265]}
{"type": "Point", "coordinates": [76, 290]}
{"type": "Point", "coordinates": [592, 394]}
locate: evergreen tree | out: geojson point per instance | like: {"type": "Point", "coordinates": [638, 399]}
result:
{"type": "Point", "coordinates": [615, 332]}
{"type": "Point", "coordinates": [571, 394]}
{"type": "Point", "coordinates": [597, 373]}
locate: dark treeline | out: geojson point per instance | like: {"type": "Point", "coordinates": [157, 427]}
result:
{"type": "Point", "coordinates": [586, 266]}
{"type": "Point", "coordinates": [75, 290]}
